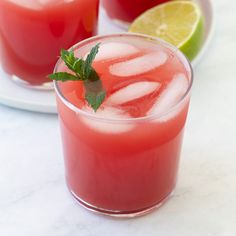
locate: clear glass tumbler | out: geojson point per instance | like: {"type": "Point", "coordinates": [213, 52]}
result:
{"type": "Point", "coordinates": [32, 32]}
{"type": "Point", "coordinates": [126, 165]}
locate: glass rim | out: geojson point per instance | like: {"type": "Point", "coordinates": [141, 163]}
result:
{"type": "Point", "coordinates": [77, 110]}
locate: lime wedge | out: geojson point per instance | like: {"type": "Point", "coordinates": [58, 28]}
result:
{"type": "Point", "coordinates": [177, 22]}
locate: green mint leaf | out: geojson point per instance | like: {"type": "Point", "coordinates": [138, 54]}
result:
{"type": "Point", "coordinates": [93, 86]}
{"type": "Point", "coordinates": [95, 99]}
{"type": "Point", "coordinates": [83, 70]}
{"type": "Point", "coordinates": [69, 58]}
{"type": "Point", "coordinates": [63, 76]}
{"type": "Point", "coordinates": [87, 66]}
{"type": "Point", "coordinates": [77, 66]}
{"type": "Point", "coordinates": [95, 94]}
{"type": "Point", "coordinates": [93, 75]}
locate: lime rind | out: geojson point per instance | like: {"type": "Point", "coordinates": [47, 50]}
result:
{"type": "Point", "coordinates": [192, 46]}
{"type": "Point", "coordinates": [174, 25]}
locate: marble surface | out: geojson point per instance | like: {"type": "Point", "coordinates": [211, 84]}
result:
{"type": "Point", "coordinates": [33, 196]}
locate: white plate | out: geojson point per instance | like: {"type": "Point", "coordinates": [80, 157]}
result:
{"type": "Point", "coordinates": [44, 101]}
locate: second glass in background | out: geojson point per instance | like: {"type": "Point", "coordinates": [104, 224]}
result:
{"type": "Point", "coordinates": [32, 32]}
{"type": "Point", "coordinates": [124, 12]}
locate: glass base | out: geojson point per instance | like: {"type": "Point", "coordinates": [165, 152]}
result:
{"type": "Point", "coordinates": [25, 84]}
{"type": "Point", "coordinates": [121, 214]}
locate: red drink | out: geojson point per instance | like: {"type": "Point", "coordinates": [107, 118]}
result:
{"type": "Point", "coordinates": [32, 32]}
{"type": "Point", "coordinates": [124, 158]}
{"type": "Point", "coordinates": [126, 11]}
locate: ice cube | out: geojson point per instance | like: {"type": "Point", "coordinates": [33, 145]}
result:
{"type": "Point", "coordinates": [132, 92]}
{"type": "Point", "coordinates": [139, 65]}
{"type": "Point", "coordinates": [113, 50]}
{"type": "Point", "coordinates": [173, 113]}
{"type": "Point", "coordinates": [170, 96]}
{"type": "Point", "coordinates": [108, 127]}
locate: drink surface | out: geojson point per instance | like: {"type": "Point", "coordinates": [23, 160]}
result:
{"type": "Point", "coordinates": [124, 158]}
{"type": "Point", "coordinates": [127, 11]}
{"type": "Point", "coordinates": [32, 32]}
{"type": "Point", "coordinates": [140, 79]}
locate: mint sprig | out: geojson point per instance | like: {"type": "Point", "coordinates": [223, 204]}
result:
{"type": "Point", "coordinates": [82, 70]}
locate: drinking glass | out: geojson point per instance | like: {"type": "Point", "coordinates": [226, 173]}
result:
{"type": "Point", "coordinates": [122, 166]}
{"type": "Point", "coordinates": [32, 32]}
{"type": "Point", "coordinates": [123, 12]}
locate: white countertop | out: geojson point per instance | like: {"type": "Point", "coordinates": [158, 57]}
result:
{"type": "Point", "coordinates": [34, 200]}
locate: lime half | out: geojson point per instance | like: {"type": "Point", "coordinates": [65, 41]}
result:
{"type": "Point", "coordinates": [177, 22]}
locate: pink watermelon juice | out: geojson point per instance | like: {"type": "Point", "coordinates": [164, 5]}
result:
{"type": "Point", "coordinates": [124, 158]}
{"type": "Point", "coordinates": [127, 11]}
{"type": "Point", "coordinates": [32, 32]}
